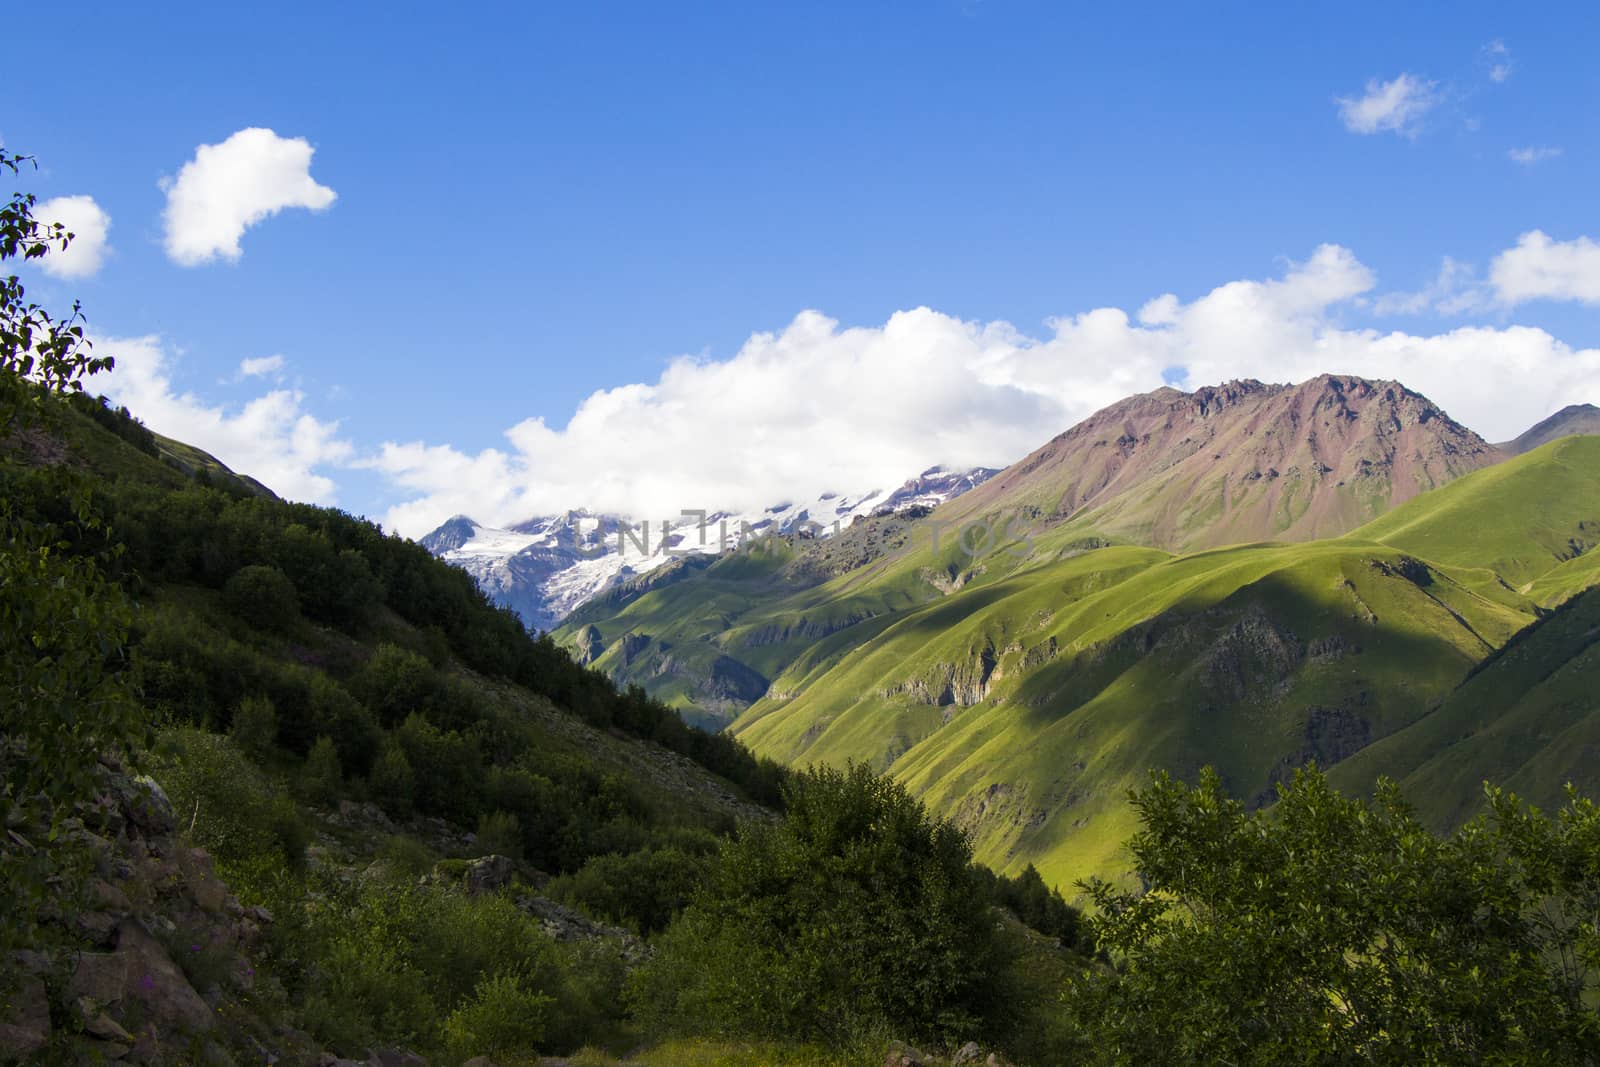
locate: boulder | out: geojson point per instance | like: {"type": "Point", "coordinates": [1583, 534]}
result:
{"type": "Point", "coordinates": [147, 806]}
{"type": "Point", "coordinates": [968, 1053]}
{"type": "Point", "coordinates": [488, 874]}
{"type": "Point", "coordinates": [24, 1020]}
{"type": "Point", "coordinates": [904, 1056]}
{"type": "Point", "coordinates": [140, 974]}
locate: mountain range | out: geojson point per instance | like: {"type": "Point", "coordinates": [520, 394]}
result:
{"type": "Point", "coordinates": [1248, 576]}
{"type": "Point", "coordinates": [546, 566]}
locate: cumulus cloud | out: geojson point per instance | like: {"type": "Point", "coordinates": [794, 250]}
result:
{"type": "Point", "coordinates": [227, 188]}
{"type": "Point", "coordinates": [1395, 106]}
{"type": "Point", "coordinates": [817, 406]}
{"type": "Point", "coordinates": [1541, 268]}
{"type": "Point", "coordinates": [261, 367]}
{"type": "Point", "coordinates": [1533, 154]}
{"type": "Point", "coordinates": [272, 438]}
{"type": "Point", "coordinates": [88, 223]}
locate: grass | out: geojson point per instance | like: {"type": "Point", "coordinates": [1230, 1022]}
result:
{"type": "Point", "coordinates": [1520, 519]}
{"type": "Point", "coordinates": [1527, 719]}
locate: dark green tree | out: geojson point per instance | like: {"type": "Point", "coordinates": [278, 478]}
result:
{"type": "Point", "coordinates": [1328, 930]}
{"type": "Point", "coordinates": [263, 596]}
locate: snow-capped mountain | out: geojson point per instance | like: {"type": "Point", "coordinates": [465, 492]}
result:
{"type": "Point", "coordinates": [544, 568]}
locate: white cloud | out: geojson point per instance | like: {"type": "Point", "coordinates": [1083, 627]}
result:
{"type": "Point", "coordinates": [818, 407]}
{"type": "Point", "coordinates": [88, 223]}
{"type": "Point", "coordinates": [1539, 268]}
{"type": "Point", "coordinates": [261, 367]}
{"type": "Point", "coordinates": [1532, 154]}
{"type": "Point", "coordinates": [229, 187]}
{"type": "Point", "coordinates": [272, 438]}
{"type": "Point", "coordinates": [1498, 58]}
{"type": "Point", "coordinates": [1393, 106]}
{"type": "Point", "coordinates": [1456, 289]}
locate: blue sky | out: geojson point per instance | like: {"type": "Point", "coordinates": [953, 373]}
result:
{"type": "Point", "coordinates": [538, 202]}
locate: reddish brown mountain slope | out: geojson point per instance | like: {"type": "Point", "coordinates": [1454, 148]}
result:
{"type": "Point", "coordinates": [1238, 462]}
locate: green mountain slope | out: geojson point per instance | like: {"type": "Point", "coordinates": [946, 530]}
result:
{"type": "Point", "coordinates": [1520, 520]}
{"type": "Point", "coordinates": [1023, 681]}
{"type": "Point", "coordinates": [1170, 470]}
{"type": "Point", "coordinates": [1528, 720]}
{"type": "Point", "coordinates": [1026, 708]}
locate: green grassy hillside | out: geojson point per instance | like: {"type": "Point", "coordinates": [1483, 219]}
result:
{"type": "Point", "coordinates": [1023, 688]}
{"type": "Point", "coordinates": [1027, 707]}
{"type": "Point", "coordinates": [1528, 719]}
{"type": "Point", "coordinates": [1517, 521]}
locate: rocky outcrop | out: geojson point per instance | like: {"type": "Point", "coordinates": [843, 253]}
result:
{"type": "Point", "coordinates": [152, 963]}
{"type": "Point", "coordinates": [970, 1054]}
{"type": "Point", "coordinates": [488, 874]}
{"type": "Point", "coordinates": [566, 925]}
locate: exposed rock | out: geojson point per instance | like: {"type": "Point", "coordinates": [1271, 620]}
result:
{"type": "Point", "coordinates": [147, 806]}
{"type": "Point", "coordinates": [140, 975]}
{"type": "Point", "coordinates": [1238, 462]}
{"type": "Point", "coordinates": [98, 1024]}
{"type": "Point", "coordinates": [629, 647]}
{"type": "Point", "coordinates": [566, 925]}
{"type": "Point", "coordinates": [968, 1053]}
{"type": "Point", "coordinates": [488, 874]}
{"type": "Point", "coordinates": [904, 1056]}
{"type": "Point", "coordinates": [24, 1021]}
{"type": "Point", "coordinates": [390, 1057]}
{"type": "Point", "coordinates": [588, 645]}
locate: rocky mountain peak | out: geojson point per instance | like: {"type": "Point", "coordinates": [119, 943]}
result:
{"type": "Point", "coordinates": [1240, 461]}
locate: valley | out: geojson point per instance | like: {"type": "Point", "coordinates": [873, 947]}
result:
{"type": "Point", "coordinates": [1023, 689]}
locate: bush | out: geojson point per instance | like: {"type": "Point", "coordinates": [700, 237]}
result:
{"type": "Point", "coordinates": [263, 597]}
{"type": "Point", "coordinates": [504, 1017]}
{"type": "Point", "coordinates": [392, 782]}
{"type": "Point", "coordinates": [500, 834]}
{"type": "Point", "coordinates": [1328, 930]}
{"type": "Point", "coordinates": [643, 890]}
{"type": "Point", "coordinates": [855, 915]}
{"type": "Point", "coordinates": [255, 726]}
{"type": "Point", "coordinates": [237, 814]}
{"type": "Point", "coordinates": [320, 779]}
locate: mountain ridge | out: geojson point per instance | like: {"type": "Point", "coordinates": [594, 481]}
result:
{"type": "Point", "coordinates": [1237, 462]}
{"type": "Point", "coordinates": [546, 567]}
{"type": "Point", "coordinates": [1570, 420]}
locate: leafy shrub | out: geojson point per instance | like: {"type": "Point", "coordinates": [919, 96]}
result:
{"type": "Point", "coordinates": [643, 890]}
{"type": "Point", "coordinates": [504, 1016]}
{"type": "Point", "coordinates": [393, 783]}
{"type": "Point", "coordinates": [255, 726]}
{"type": "Point", "coordinates": [855, 915]}
{"type": "Point", "coordinates": [245, 822]}
{"type": "Point", "coordinates": [320, 778]}
{"type": "Point", "coordinates": [263, 596]}
{"type": "Point", "coordinates": [499, 833]}
{"type": "Point", "coordinates": [1333, 930]}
